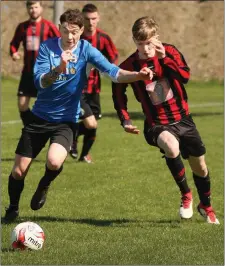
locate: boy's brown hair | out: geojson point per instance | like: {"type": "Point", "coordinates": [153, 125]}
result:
{"type": "Point", "coordinates": [72, 16]}
{"type": "Point", "coordinates": [89, 8]}
{"type": "Point", "coordinates": [30, 3]}
{"type": "Point", "coordinates": [144, 28]}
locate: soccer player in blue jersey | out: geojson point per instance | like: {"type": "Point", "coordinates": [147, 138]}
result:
{"type": "Point", "coordinates": [60, 73]}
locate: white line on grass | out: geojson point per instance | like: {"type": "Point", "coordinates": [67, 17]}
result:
{"type": "Point", "coordinates": [191, 106]}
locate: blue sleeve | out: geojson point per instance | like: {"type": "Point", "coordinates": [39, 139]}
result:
{"type": "Point", "coordinates": [97, 59]}
{"type": "Point", "coordinates": [42, 65]}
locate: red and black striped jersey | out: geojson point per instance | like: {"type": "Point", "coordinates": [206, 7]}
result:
{"type": "Point", "coordinates": [104, 44]}
{"type": "Point", "coordinates": [164, 98]}
{"type": "Point", "coordinates": [31, 34]}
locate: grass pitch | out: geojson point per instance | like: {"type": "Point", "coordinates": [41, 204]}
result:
{"type": "Point", "coordinates": [123, 209]}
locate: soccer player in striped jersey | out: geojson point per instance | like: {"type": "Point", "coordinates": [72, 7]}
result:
{"type": "Point", "coordinates": [31, 33]}
{"type": "Point", "coordinates": [168, 123]}
{"type": "Point", "coordinates": [60, 74]}
{"type": "Point", "coordinates": [90, 100]}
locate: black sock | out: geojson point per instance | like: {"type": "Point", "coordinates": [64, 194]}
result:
{"type": "Point", "coordinates": [177, 170]}
{"type": "Point", "coordinates": [82, 130]}
{"type": "Point", "coordinates": [49, 176]}
{"type": "Point", "coordinates": [89, 139]}
{"type": "Point", "coordinates": [26, 116]}
{"type": "Point", "coordinates": [15, 188]}
{"type": "Point", "coordinates": [203, 187]}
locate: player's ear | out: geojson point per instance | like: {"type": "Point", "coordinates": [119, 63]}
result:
{"type": "Point", "coordinates": [81, 30]}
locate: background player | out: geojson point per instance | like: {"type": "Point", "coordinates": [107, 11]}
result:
{"type": "Point", "coordinates": [90, 100]}
{"type": "Point", "coordinates": [31, 33]}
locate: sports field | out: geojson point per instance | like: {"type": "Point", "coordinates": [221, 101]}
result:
{"type": "Point", "coordinates": [123, 209]}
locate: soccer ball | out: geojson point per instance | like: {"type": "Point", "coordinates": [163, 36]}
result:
{"type": "Point", "coordinates": [27, 235]}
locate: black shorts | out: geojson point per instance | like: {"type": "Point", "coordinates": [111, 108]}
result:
{"type": "Point", "coordinates": [36, 134]}
{"type": "Point", "coordinates": [90, 103]}
{"type": "Point", "coordinates": [26, 86]}
{"type": "Point", "coordinates": [185, 132]}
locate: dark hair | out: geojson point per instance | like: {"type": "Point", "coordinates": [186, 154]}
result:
{"type": "Point", "coordinates": [89, 8]}
{"type": "Point", "coordinates": [30, 3]}
{"type": "Point", "coordinates": [72, 16]}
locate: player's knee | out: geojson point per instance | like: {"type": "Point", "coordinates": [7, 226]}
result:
{"type": "Point", "coordinates": [19, 172]}
{"type": "Point", "coordinates": [54, 164]}
{"type": "Point", "coordinates": [200, 169]}
{"type": "Point", "coordinates": [91, 124]}
{"type": "Point", "coordinates": [169, 144]}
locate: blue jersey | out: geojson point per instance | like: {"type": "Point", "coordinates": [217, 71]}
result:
{"type": "Point", "coordinates": [60, 102]}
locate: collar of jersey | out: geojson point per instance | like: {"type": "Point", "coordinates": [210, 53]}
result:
{"type": "Point", "coordinates": [59, 44]}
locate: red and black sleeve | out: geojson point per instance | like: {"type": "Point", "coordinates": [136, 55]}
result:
{"type": "Point", "coordinates": [110, 50]}
{"type": "Point", "coordinates": [175, 65]}
{"type": "Point", "coordinates": [119, 96]}
{"type": "Point", "coordinates": [53, 31]}
{"type": "Point", "coordinates": [17, 38]}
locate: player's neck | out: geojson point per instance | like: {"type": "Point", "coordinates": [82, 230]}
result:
{"type": "Point", "coordinates": [89, 33]}
{"type": "Point", "coordinates": [36, 20]}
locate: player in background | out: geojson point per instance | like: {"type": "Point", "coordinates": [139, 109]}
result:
{"type": "Point", "coordinates": [168, 123]}
{"type": "Point", "coordinates": [60, 72]}
{"type": "Point", "coordinates": [90, 100]}
{"type": "Point", "coordinates": [31, 33]}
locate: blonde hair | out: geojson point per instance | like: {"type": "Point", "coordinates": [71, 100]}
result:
{"type": "Point", "coordinates": [144, 28]}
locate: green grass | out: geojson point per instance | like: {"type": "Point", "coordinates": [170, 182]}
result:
{"type": "Point", "coordinates": [123, 209]}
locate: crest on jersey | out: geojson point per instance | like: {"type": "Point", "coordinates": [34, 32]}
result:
{"type": "Point", "coordinates": [72, 70]}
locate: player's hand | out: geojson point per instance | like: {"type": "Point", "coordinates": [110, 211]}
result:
{"type": "Point", "coordinates": [66, 56]}
{"type": "Point", "coordinates": [159, 48]}
{"type": "Point", "coordinates": [146, 74]}
{"type": "Point", "coordinates": [15, 56]}
{"type": "Point", "coordinates": [129, 128]}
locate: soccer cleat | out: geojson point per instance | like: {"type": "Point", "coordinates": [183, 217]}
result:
{"type": "Point", "coordinates": [11, 213]}
{"type": "Point", "coordinates": [86, 159]}
{"type": "Point", "coordinates": [39, 198]}
{"type": "Point", "coordinates": [208, 213]}
{"type": "Point", "coordinates": [186, 209]}
{"type": "Point", "coordinates": [73, 151]}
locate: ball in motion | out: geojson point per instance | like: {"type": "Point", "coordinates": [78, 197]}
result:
{"type": "Point", "coordinates": [27, 235]}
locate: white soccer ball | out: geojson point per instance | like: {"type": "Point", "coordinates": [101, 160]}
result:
{"type": "Point", "coordinates": [27, 235]}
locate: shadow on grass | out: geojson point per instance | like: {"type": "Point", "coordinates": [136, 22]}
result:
{"type": "Point", "coordinates": [13, 159]}
{"type": "Point", "coordinates": [140, 115]}
{"type": "Point", "coordinates": [103, 222]}
{"type": "Point", "coordinates": [7, 250]}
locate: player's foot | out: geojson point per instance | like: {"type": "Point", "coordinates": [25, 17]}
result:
{"type": "Point", "coordinates": [208, 213]}
{"type": "Point", "coordinates": [186, 209]}
{"type": "Point", "coordinates": [73, 151]}
{"type": "Point", "coordinates": [86, 159]}
{"type": "Point", "coordinates": [39, 198]}
{"type": "Point", "coordinates": [11, 213]}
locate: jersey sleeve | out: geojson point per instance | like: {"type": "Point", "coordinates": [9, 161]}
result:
{"type": "Point", "coordinates": [42, 65]}
{"type": "Point", "coordinates": [97, 59]}
{"type": "Point", "coordinates": [175, 65]}
{"type": "Point", "coordinates": [15, 42]}
{"type": "Point", "coordinates": [111, 51]}
{"type": "Point", "coordinates": [120, 98]}
{"type": "Point", "coordinates": [53, 31]}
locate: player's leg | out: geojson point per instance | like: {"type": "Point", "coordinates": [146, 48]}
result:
{"type": "Point", "coordinates": [29, 146]}
{"type": "Point", "coordinates": [81, 129]}
{"type": "Point", "coordinates": [23, 106]}
{"type": "Point", "coordinates": [88, 126]}
{"type": "Point", "coordinates": [16, 186]}
{"type": "Point", "coordinates": [164, 138]}
{"type": "Point", "coordinates": [195, 150]}
{"type": "Point", "coordinates": [60, 143]}
{"type": "Point", "coordinates": [26, 90]}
